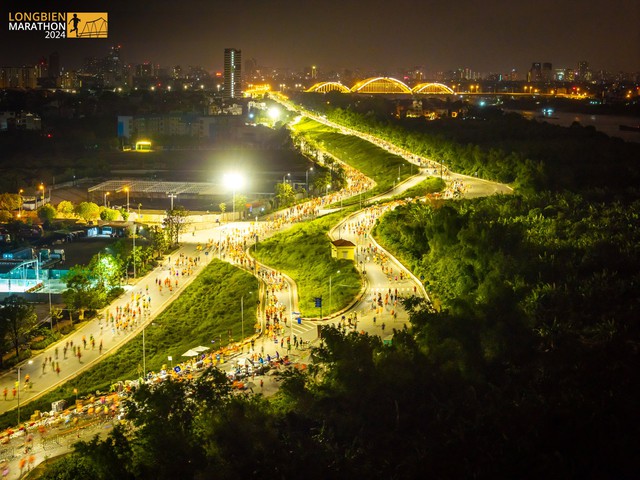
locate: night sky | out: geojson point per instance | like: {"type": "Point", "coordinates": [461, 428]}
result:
{"type": "Point", "coordinates": [486, 36]}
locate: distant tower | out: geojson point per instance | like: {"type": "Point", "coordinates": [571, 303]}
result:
{"type": "Point", "coordinates": [250, 68]}
{"type": "Point", "coordinates": [547, 72]}
{"type": "Point", "coordinates": [584, 74]}
{"type": "Point", "coordinates": [535, 73]}
{"type": "Point", "coordinates": [54, 65]}
{"type": "Point", "coordinates": [232, 73]}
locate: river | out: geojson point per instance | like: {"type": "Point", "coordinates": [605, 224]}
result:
{"type": "Point", "coordinates": [609, 124]}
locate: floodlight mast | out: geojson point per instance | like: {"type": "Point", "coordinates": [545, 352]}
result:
{"type": "Point", "coordinates": [234, 181]}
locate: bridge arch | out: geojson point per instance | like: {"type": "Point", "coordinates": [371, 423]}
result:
{"type": "Point", "coordinates": [380, 85]}
{"type": "Point", "coordinates": [432, 88]}
{"type": "Point", "coordinates": [325, 87]}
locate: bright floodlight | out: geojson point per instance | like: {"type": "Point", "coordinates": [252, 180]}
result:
{"type": "Point", "coordinates": [233, 181]}
{"type": "Point", "coordinates": [274, 113]}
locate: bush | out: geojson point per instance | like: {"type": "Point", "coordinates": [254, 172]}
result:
{"type": "Point", "coordinates": [114, 293]}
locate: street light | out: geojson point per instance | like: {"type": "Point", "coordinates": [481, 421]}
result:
{"type": "Point", "coordinates": [133, 252]}
{"type": "Point", "coordinates": [330, 300]}
{"type": "Point", "coordinates": [172, 196]}
{"type": "Point", "coordinates": [19, 370]}
{"type": "Point", "coordinates": [20, 192]}
{"type": "Point", "coordinates": [42, 187]}
{"type": "Point", "coordinates": [144, 352]}
{"type": "Point", "coordinates": [285, 176]}
{"type": "Point", "coordinates": [233, 181]}
{"type": "Point", "coordinates": [307, 177]}
{"type": "Point", "coordinates": [242, 313]}
{"type": "Point", "coordinates": [126, 189]}
{"type": "Point", "coordinates": [105, 198]}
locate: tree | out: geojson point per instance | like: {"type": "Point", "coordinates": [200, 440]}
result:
{"type": "Point", "coordinates": [124, 214]}
{"type": "Point", "coordinates": [46, 214]}
{"type": "Point", "coordinates": [70, 467]}
{"type": "Point", "coordinates": [88, 211]}
{"type": "Point", "coordinates": [159, 241]}
{"type": "Point", "coordinates": [19, 318]}
{"type": "Point", "coordinates": [168, 439]}
{"type": "Point", "coordinates": [240, 203]}
{"type": "Point", "coordinates": [322, 182]}
{"type": "Point", "coordinates": [66, 209]}
{"type": "Point", "coordinates": [175, 222]}
{"type": "Point", "coordinates": [10, 201]}
{"type": "Point", "coordinates": [285, 194]}
{"type": "Point", "coordinates": [223, 207]}
{"type": "Point", "coordinates": [109, 214]}
{"type": "Point", "coordinates": [107, 269]}
{"type": "Point", "coordinates": [83, 291]}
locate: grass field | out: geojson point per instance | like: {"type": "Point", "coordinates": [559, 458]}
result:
{"type": "Point", "coordinates": [304, 253]}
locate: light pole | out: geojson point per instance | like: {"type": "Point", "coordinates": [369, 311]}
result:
{"type": "Point", "coordinates": [330, 300]}
{"type": "Point", "coordinates": [307, 178]}
{"type": "Point", "coordinates": [144, 355]}
{"type": "Point", "coordinates": [44, 191]}
{"type": "Point", "coordinates": [328, 187]}
{"type": "Point", "coordinates": [126, 189]}
{"type": "Point", "coordinates": [172, 196]}
{"type": "Point", "coordinates": [284, 177]}
{"type": "Point", "coordinates": [105, 198]}
{"type": "Point", "coordinates": [20, 192]}
{"type": "Point", "coordinates": [19, 370]}
{"type": "Point", "coordinates": [133, 252]}
{"type": "Point", "coordinates": [242, 313]}
{"type": "Point", "coordinates": [233, 181]}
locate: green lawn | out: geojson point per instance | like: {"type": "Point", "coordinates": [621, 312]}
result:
{"type": "Point", "coordinates": [304, 253]}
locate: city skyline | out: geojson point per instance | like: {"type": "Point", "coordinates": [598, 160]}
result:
{"type": "Point", "coordinates": [495, 36]}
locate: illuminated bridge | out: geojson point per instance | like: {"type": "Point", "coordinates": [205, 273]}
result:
{"type": "Point", "coordinates": [382, 85]}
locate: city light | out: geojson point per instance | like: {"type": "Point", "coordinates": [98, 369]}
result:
{"type": "Point", "coordinates": [233, 181]}
{"type": "Point", "coordinates": [274, 113]}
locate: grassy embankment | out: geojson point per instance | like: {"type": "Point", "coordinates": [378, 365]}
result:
{"type": "Point", "coordinates": [304, 253]}
{"type": "Point", "coordinates": [203, 312]}
{"type": "Point", "coordinates": [374, 162]}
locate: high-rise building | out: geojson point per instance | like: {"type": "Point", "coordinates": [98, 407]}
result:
{"type": "Point", "coordinates": [584, 73]}
{"type": "Point", "coordinates": [547, 72]}
{"type": "Point", "coordinates": [54, 65]}
{"type": "Point", "coordinates": [250, 67]}
{"type": "Point", "coordinates": [18, 77]}
{"type": "Point", "coordinates": [232, 73]}
{"type": "Point", "coordinates": [535, 73]}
